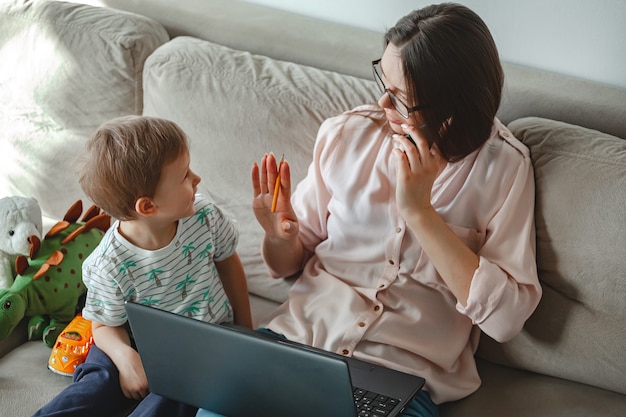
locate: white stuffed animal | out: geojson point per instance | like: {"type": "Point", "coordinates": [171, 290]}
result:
{"type": "Point", "coordinates": [20, 218]}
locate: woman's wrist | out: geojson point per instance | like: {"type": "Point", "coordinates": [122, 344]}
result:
{"type": "Point", "coordinates": [282, 256]}
{"type": "Point", "coordinates": [421, 217]}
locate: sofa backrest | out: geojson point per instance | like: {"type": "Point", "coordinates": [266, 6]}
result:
{"type": "Point", "coordinates": [349, 50]}
{"type": "Point", "coordinates": [66, 68]}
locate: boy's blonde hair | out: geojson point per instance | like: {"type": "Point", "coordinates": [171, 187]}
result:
{"type": "Point", "coordinates": [123, 161]}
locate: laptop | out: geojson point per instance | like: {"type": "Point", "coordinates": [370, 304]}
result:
{"type": "Point", "coordinates": [239, 372]}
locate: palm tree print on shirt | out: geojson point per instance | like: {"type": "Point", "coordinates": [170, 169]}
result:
{"type": "Point", "coordinates": [150, 302]}
{"type": "Point", "coordinates": [153, 275]}
{"type": "Point", "coordinates": [205, 253]}
{"type": "Point", "coordinates": [131, 295]}
{"type": "Point", "coordinates": [118, 291]}
{"type": "Point", "coordinates": [99, 306]}
{"type": "Point", "coordinates": [192, 309]}
{"type": "Point", "coordinates": [187, 249]}
{"type": "Point", "coordinates": [202, 217]}
{"type": "Point", "coordinates": [209, 299]}
{"type": "Point", "coordinates": [183, 285]}
{"type": "Point", "coordinates": [125, 268]}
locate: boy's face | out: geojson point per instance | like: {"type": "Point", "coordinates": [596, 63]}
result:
{"type": "Point", "coordinates": [175, 193]}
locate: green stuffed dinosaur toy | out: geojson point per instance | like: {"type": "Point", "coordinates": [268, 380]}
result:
{"type": "Point", "coordinates": [49, 287]}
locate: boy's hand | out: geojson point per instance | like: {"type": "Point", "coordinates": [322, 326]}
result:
{"type": "Point", "coordinates": [115, 342]}
{"type": "Point", "coordinates": [133, 379]}
{"type": "Point", "coordinates": [281, 223]}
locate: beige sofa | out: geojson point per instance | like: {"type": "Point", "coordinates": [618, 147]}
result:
{"type": "Point", "coordinates": [68, 67]}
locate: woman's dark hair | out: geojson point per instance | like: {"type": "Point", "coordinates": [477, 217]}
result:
{"type": "Point", "coordinates": [451, 65]}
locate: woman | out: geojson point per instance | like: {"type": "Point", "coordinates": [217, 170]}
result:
{"type": "Point", "coordinates": [407, 251]}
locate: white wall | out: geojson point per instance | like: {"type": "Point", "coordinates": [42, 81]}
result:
{"type": "Point", "coordinates": [583, 38]}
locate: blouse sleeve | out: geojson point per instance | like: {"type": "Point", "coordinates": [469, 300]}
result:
{"type": "Point", "coordinates": [311, 196]}
{"type": "Point", "coordinates": [505, 287]}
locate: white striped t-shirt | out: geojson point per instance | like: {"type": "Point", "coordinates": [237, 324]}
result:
{"type": "Point", "coordinates": [180, 278]}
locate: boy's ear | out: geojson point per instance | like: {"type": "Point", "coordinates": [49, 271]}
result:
{"type": "Point", "coordinates": [145, 207]}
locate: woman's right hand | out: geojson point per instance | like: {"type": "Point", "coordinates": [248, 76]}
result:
{"type": "Point", "coordinates": [282, 223]}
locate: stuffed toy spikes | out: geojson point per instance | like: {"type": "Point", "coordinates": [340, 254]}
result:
{"type": "Point", "coordinates": [20, 218]}
{"type": "Point", "coordinates": [48, 287]}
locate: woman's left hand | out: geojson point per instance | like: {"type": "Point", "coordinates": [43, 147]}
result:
{"type": "Point", "coordinates": [418, 167]}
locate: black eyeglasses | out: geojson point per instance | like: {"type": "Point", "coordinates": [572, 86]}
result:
{"type": "Point", "coordinates": [398, 104]}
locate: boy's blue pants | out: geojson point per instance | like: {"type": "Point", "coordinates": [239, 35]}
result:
{"type": "Point", "coordinates": [96, 392]}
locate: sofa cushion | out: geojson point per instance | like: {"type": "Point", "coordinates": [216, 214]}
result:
{"type": "Point", "coordinates": [578, 331]}
{"type": "Point", "coordinates": [66, 68]}
{"type": "Point", "coordinates": [235, 107]}
{"type": "Point", "coordinates": [506, 392]}
{"type": "Point", "coordinates": [26, 382]}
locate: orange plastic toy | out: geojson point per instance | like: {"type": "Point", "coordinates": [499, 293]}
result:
{"type": "Point", "coordinates": [71, 347]}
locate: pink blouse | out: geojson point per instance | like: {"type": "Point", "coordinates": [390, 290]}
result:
{"type": "Point", "coordinates": [367, 288]}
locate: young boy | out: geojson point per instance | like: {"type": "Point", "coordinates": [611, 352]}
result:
{"type": "Point", "coordinates": [169, 248]}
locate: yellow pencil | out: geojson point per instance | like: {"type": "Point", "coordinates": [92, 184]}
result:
{"type": "Point", "coordinates": [277, 185]}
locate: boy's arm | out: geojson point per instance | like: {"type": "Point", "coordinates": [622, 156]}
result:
{"type": "Point", "coordinates": [235, 285]}
{"type": "Point", "coordinates": [115, 342]}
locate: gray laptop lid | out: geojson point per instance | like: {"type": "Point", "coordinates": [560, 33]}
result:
{"type": "Point", "coordinates": [241, 373]}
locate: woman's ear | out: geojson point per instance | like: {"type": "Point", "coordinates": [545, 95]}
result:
{"type": "Point", "coordinates": [145, 207]}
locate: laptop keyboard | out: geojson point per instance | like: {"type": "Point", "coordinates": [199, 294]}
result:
{"type": "Point", "coordinates": [370, 404]}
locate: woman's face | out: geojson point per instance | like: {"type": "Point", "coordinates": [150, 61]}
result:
{"type": "Point", "coordinates": [393, 78]}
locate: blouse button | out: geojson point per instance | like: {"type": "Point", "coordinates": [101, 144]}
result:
{"type": "Point", "coordinates": [345, 351]}
{"type": "Point", "coordinates": [391, 262]}
{"type": "Point", "coordinates": [376, 308]}
{"type": "Point", "coordinates": [361, 324]}
{"type": "Point", "coordinates": [398, 229]}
